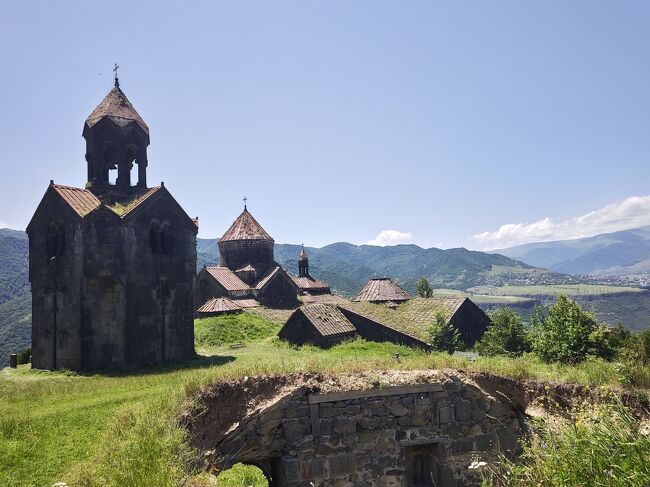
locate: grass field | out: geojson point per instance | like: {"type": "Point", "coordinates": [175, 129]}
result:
{"type": "Point", "coordinates": [119, 429]}
{"type": "Point", "coordinates": [550, 290]}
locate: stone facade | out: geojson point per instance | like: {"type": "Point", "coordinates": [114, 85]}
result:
{"type": "Point", "coordinates": [111, 266]}
{"type": "Point", "coordinates": [422, 434]}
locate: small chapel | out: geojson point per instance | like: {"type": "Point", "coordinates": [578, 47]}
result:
{"type": "Point", "coordinates": [111, 264]}
{"type": "Point", "coordinates": [247, 269]}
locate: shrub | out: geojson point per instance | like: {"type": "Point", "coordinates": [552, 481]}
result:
{"type": "Point", "coordinates": [565, 333]}
{"type": "Point", "coordinates": [506, 335]}
{"type": "Point", "coordinates": [444, 336]}
{"type": "Point", "coordinates": [423, 288]}
{"type": "Point", "coordinates": [24, 356]}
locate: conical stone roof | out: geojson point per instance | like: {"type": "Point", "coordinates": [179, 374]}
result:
{"type": "Point", "coordinates": [118, 108]}
{"type": "Point", "coordinates": [245, 227]}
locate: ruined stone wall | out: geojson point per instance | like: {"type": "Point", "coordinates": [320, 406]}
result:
{"type": "Point", "coordinates": [417, 434]}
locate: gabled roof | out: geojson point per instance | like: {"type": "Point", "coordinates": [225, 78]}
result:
{"type": "Point", "coordinates": [245, 227]}
{"type": "Point", "coordinates": [123, 208]}
{"type": "Point", "coordinates": [309, 283]}
{"type": "Point", "coordinates": [82, 201]}
{"type": "Point", "coordinates": [449, 305]}
{"type": "Point", "coordinates": [219, 305]}
{"type": "Point", "coordinates": [118, 109]}
{"type": "Point", "coordinates": [261, 284]}
{"type": "Point", "coordinates": [327, 319]}
{"type": "Point", "coordinates": [227, 278]}
{"type": "Point", "coordinates": [381, 289]}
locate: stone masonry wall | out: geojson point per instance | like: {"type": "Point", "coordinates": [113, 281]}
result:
{"type": "Point", "coordinates": [415, 434]}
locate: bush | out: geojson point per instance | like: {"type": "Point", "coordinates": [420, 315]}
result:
{"type": "Point", "coordinates": [565, 334]}
{"type": "Point", "coordinates": [24, 356]}
{"type": "Point", "coordinates": [423, 288]}
{"type": "Point", "coordinates": [635, 358]}
{"type": "Point", "coordinates": [444, 336]}
{"type": "Point", "coordinates": [506, 335]}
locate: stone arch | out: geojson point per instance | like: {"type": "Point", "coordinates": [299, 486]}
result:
{"type": "Point", "coordinates": [266, 467]}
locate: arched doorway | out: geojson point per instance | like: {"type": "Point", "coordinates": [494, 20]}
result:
{"type": "Point", "coordinates": [243, 475]}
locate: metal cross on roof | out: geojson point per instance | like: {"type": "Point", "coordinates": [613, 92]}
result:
{"type": "Point", "coordinates": [245, 200]}
{"type": "Point", "coordinates": [117, 81]}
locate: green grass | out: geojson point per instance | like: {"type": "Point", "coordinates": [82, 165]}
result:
{"type": "Point", "coordinates": [233, 328]}
{"type": "Point", "coordinates": [242, 475]}
{"type": "Point", "coordinates": [599, 448]}
{"type": "Point", "coordinates": [119, 429]}
{"type": "Point", "coordinates": [554, 289]}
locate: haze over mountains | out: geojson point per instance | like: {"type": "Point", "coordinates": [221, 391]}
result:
{"type": "Point", "coordinates": [624, 253]}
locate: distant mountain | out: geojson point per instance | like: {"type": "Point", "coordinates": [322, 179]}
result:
{"type": "Point", "coordinates": [14, 251]}
{"type": "Point", "coordinates": [347, 267]}
{"type": "Point", "coordinates": [624, 253]}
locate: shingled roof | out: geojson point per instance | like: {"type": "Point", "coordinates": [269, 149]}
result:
{"type": "Point", "coordinates": [327, 319]}
{"type": "Point", "coordinates": [307, 283]}
{"type": "Point", "coordinates": [117, 107]}
{"type": "Point", "coordinates": [227, 278]}
{"type": "Point", "coordinates": [219, 306]}
{"type": "Point", "coordinates": [245, 227]}
{"type": "Point", "coordinates": [382, 289]}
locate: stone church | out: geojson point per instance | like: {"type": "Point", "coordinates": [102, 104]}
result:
{"type": "Point", "coordinates": [111, 265]}
{"type": "Point", "coordinates": [247, 269]}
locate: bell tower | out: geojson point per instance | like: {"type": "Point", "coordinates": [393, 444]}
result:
{"type": "Point", "coordinates": [303, 263]}
{"type": "Point", "coordinates": [116, 138]}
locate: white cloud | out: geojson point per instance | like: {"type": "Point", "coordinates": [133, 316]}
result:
{"type": "Point", "coordinates": [632, 212]}
{"type": "Point", "coordinates": [390, 237]}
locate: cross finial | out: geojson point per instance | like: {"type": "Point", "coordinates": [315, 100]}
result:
{"type": "Point", "coordinates": [245, 200]}
{"type": "Point", "coordinates": [117, 81]}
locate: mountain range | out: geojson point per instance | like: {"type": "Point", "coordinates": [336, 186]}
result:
{"type": "Point", "coordinates": [624, 253]}
{"type": "Point", "coordinates": [346, 267]}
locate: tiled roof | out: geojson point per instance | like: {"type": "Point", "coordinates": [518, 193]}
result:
{"type": "Point", "coordinates": [381, 289]}
{"type": "Point", "coordinates": [123, 208]}
{"type": "Point", "coordinates": [309, 283]}
{"type": "Point", "coordinates": [327, 319]}
{"type": "Point", "coordinates": [245, 227]}
{"type": "Point", "coordinates": [227, 278]}
{"type": "Point", "coordinates": [118, 108]}
{"type": "Point", "coordinates": [82, 201]}
{"type": "Point", "coordinates": [246, 268]}
{"type": "Point", "coordinates": [219, 305]}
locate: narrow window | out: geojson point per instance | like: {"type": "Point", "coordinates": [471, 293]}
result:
{"type": "Point", "coordinates": [155, 238]}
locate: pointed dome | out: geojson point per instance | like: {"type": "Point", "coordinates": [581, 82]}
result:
{"type": "Point", "coordinates": [303, 254]}
{"type": "Point", "coordinates": [118, 108]}
{"type": "Point", "coordinates": [245, 227]}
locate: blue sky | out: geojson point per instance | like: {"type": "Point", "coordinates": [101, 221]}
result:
{"type": "Point", "coordinates": [480, 124]}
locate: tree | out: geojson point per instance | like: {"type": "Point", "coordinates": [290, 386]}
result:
{"type": "Point", "coordinates": [443, 335]}
{"type": "Point", "coordinates": [423, 288]}
{"type": "Point", "coordinates": [506, 335]}
{"type": "Point", "coordinates": [565, 333]}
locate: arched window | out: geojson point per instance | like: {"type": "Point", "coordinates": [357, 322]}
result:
{"type": "Point", "coordinates": [155, 238]}
{"type": "Point", "coordinates": [167, 240]}
{"type": "Point", "coordinates": [55, 240]}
